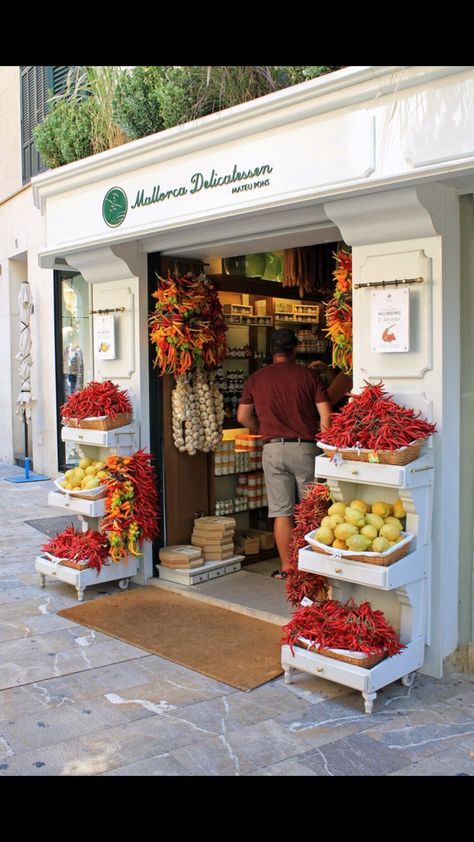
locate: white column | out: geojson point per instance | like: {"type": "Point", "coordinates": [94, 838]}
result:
{"type": "Point", "coordinates": [408, 233]}
{"type": "Point", "coordinates": [119, 278]}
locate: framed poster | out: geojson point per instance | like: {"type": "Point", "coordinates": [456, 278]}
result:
{"type": "Point", "coordinates": [390, 321]}
{"type": "Point", "coordinates": [104, 337]}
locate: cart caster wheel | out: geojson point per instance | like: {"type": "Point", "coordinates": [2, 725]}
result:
{"type": "Point", "coordinates": [123, 584]}
{"type": "Point", "coordinates": [408, 680]}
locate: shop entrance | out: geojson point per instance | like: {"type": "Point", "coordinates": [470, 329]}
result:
{"type": "Point", "coordinates": [229, 481]}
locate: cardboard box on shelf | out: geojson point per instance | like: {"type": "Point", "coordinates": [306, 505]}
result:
{"type": "Point", "coordinates": [266, 540]}
{"type": "Point", "coordinates": [246, 544]}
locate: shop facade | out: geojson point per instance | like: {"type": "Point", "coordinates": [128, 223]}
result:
{"type": "Point", "coordinates": [379, 157]}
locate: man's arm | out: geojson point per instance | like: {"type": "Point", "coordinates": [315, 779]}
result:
{"type": "Point", "coordinates": [324, 410]}
{"type": "Point", "coordinates": [246, 416]}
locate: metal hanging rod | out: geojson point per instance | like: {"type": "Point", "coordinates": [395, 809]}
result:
{"type": "Point", "coordinates": [107, 310]}
{"type": "Point", "coordinates": [394, 283]}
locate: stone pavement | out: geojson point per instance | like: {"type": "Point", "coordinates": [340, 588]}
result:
{"type": "Point", "coordinates": [76, 702]}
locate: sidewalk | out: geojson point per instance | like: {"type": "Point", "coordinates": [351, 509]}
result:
{"type": "Point", "coordinates": [76, 702]}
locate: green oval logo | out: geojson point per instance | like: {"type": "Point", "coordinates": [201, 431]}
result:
{"type": "Point", "coordinates": [115, 207]}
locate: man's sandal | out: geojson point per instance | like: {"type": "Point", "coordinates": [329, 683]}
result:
{"type": "Point", "coordinates": [279, 574]}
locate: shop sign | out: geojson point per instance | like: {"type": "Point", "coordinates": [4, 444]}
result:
{"type": "Point", "coordinates": [115, 203]}
{"type": "Point", "coordinates": [104, 337]}
{"type": "Point", "coordinates": [390, 321]}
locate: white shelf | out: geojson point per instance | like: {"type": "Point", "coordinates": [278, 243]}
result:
{"type": "Point", "coordinates": [410, 568]}
{"type": "Point", "coordinates": [122, 441]}
{"type": "Point", "coordinates": [416, 473]}
{"type": "Point", "coordinates": [89, 508]}
{"type": "Point", "coordinates": [121, 437]}
{"type": "Point", "coordinates": [83, 578]}
{"type": "Point", "coordinates": [367, 681]}
{"type": "Point", "coordinates": [407, 578]}
{"type": "Point", "coordinates": [195, 575]}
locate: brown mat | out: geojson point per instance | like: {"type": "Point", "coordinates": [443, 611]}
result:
{"type": "Point", "coordinates": [230, 647]}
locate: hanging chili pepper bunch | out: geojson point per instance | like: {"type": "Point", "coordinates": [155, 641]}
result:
{"type": "Point", "coordinates": [187, 326]}
{"type": "Point", "coordinates": [131, 504]}
{"type": "Point", "coordinates": [334, 624]}
{"type": "Point", "coordinates": [88, 546]}
{"type": "Point", "coordinates": [308, 516]}
{"type": "Point", "coordinates": [339, 313]}
{"type": "Point", "coordinates": [96, 399]}
{"type": "Point", "coordinates": [374, 420]}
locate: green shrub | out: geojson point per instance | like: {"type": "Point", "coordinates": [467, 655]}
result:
{"type": "Point", "coordinates": [136, 104]}
{"type": "Point", "coordinates": [65, 133]}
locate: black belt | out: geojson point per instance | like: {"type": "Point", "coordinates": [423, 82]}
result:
{"type": "Point", "coordinates": [281, 440]}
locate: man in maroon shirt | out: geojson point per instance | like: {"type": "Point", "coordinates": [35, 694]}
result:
{"type": "Point", "coordinates": [285, 403]}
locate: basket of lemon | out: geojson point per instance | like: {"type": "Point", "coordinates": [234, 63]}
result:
{"type": "Point", "coordinates": [359, 531]}
{"type": "Point", "coordinates": [84, 481]}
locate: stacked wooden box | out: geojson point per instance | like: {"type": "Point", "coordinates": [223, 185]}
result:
{"type": "Point", "coordinates": [214, 536]}
{"type": "Point", "coordinates": [181, 557]}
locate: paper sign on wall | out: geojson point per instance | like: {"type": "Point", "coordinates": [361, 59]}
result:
{"type": "Point", "coordinates": [104, 337]}
{"type": "Point", "coordinates": [390, 320]}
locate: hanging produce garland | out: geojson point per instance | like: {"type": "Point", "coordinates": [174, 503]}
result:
{"type": "Point", "coordinates": [197, 412]}
{"type": "Point", "coordinates": [188, 325]}
{"type": "Point", "coordinates": [339, 314]}
{"type": "Point", "coordinates": [131, 504]}
{"type": "Point", "coordinates": [308, 515]}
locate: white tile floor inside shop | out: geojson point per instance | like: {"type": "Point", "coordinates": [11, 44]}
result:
{"type": "Point", "coordinates": [78, 702]}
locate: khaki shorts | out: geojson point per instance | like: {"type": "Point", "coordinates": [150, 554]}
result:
{"type": "Point", "coordinates": [288, 468]}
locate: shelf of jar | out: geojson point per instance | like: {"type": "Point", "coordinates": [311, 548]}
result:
{"type": "Point", "coordinates": [367, 681]}
{"type": "Point", "coordinates": [410, 568]}
{"type": "Point", "coordinates": [236, 473]}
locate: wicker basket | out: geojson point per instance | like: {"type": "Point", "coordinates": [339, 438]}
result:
{"type": "Point", "coordinates": [366, 663]}
{"type": "Point", "coordinates": [402, 456]}
{"type": "Point", "coordinates": [382, 559]}
{"type": "Point", "coordinates": [104, 422]}
{"type": "Point", "coordinates": [81, 564]}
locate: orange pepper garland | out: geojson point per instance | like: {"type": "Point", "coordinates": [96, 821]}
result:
{"type": "Point", "coordinates": [131, 504]}
{"type": "Point", "coordinates": [188, 325]}
{"type": "Point", "coordinates": [339, 314]}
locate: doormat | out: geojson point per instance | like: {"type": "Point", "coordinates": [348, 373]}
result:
{"type": "Point", "coordinates": [51, 525]}
{"type": "Point", "coordinates": [224, 645]}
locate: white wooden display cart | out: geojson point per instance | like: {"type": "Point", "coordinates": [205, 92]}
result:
{"type": "Point", "coordinates": [406, 579]}
{"type": "Point", "coordinates": [97, 444]}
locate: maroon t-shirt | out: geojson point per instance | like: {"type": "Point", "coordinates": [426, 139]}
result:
{"type": "Point", "coordinates": [285, 396]}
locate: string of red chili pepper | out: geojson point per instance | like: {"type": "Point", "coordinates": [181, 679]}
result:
{"type": "Point", "coordinates": [309, 513]}
{"type": "Point", "coordinates": [333, 624]}
{"type": "Point", "coordinates": [131, 503]}
{"type": "Point", "coordinates": [91, 546]}
{"type": "Point", "coordinates": [374, 420]}
{"type": "Point", "coordinates": [96, 399]}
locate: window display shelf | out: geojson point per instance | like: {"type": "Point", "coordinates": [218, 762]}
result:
{"type": "Point", "coordinates": [407, 579]}
{"type": "Point", "coordinates": [122, 441]}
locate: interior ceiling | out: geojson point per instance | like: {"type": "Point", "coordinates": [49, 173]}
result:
{"type": "Point", "coordinates": [301, 223]}
{"type": "Point", "coordinates": [272, 242]}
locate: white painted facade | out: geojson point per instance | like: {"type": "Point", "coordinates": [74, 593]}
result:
{"type": "Point", "coordinates": [379, 155]}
